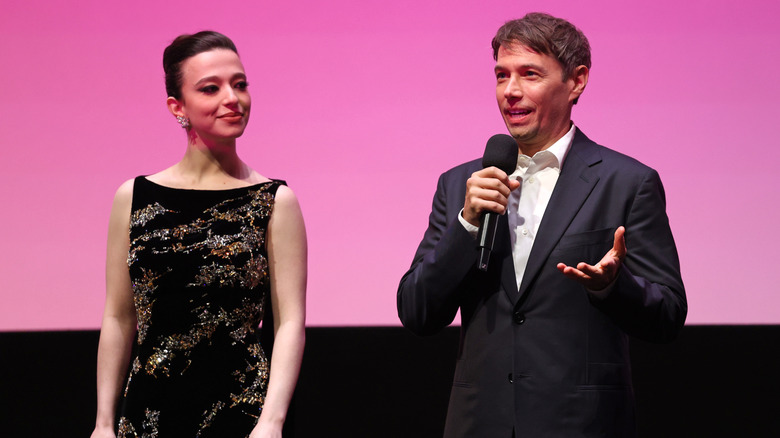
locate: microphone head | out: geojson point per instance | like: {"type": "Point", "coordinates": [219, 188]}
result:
{"type": "Point", "coordinates": [501, 151]}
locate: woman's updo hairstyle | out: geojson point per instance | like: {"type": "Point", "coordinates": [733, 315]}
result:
{"type": "Point", "coordinates": [184, 47]}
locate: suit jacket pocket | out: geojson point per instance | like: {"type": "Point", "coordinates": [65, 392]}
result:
{"type": "Point", "coordinates": [607, 376]}
{"type": "Point", "coordinates": [588, 247]}
{"type": "Point", "coordinates": [587, 238]}
{"type": "Point", "coordinates": [461, 377]}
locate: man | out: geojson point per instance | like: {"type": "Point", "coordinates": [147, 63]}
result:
{"type": "Point", "coordinates": [583, 258]}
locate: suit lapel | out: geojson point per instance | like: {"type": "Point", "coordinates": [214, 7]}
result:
{"type": "Point", "coordinates": [508, 278]}
{"type": "Point", "coordinates": [575, 183]}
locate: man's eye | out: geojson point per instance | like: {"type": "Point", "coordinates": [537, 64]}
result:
{"type": "Point", "coordinates": [500, 75]}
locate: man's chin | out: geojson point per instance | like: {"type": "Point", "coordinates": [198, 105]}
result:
{"type": "Point", "coordinates": [520, 134]}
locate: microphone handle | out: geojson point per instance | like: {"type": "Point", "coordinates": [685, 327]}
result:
{"type": "Point", "coordinates": [487, 236]}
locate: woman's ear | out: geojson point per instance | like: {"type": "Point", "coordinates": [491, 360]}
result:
{"type": "Point", "coordinates": [175, 106]}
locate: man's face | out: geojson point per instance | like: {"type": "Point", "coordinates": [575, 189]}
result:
{"type": "Point", "coordinates": [533, 99]}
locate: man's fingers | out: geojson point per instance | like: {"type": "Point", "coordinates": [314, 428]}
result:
{"type": "Point", "coordinates": [486, 190]}
{"type": "Point", "coordinates": [619, 246]}
{"type": "Point", "coordinates": [573, 273]}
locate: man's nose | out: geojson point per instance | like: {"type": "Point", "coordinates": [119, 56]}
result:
{"type": "Point", "coordinates": [513, 88]}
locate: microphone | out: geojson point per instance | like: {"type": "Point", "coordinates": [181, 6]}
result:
{"type": "Point", "coordinates": [500, 151]}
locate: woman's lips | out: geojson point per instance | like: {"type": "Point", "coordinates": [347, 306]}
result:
{"type": "Point", "coordinates": [231, 117]}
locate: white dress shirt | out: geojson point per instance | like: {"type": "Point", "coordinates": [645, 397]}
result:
{"type": "Point", "coordinates": [538, 175]}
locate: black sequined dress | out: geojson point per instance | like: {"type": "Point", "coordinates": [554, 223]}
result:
{"type": "Point", "coordinates": [199, 273]}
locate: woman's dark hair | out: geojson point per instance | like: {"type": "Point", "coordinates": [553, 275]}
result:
{"type": "Point", "coordinates": [184, 47]}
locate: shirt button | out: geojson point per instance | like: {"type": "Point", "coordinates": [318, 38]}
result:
{"type": "Point", "coordinates": [531, 180]}
{"type": "Point", "coordinates": [524, 231]}
{"type": "Point", "coordinates": [518, 318]}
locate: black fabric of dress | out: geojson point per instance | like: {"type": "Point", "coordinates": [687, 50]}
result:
{"type": "Point", "coordinates": [199, 272]}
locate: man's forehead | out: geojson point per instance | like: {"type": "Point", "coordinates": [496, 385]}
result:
{"type": "Point", "coordinates": [516, 47]}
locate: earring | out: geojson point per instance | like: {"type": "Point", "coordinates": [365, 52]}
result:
{"type": "Point", "coordinates": [183, 121]}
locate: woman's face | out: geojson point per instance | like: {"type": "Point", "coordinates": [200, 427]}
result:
{"type": "Point", "coordinates": [214, 95]}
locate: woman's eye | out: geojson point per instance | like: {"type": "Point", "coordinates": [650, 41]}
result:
{"type": "Point", "coordinates": [241, 85]}
{"type": "Point", "coordinates": [209, 89]}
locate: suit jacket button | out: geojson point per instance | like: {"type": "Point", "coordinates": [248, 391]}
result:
{"type": "Point", "coordinates": [509, 377]}
{"type": "Point", "coordinates": [518, 318]}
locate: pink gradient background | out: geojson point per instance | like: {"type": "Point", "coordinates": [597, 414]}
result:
{"type": "Point", "coordinates": [360, 105]}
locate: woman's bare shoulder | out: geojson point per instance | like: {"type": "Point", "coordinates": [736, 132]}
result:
{"type": "Point", "coordinates": [125, 191]}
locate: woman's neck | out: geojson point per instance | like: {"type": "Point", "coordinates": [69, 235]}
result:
{"type": "Point", "coordinates": [211, 162]}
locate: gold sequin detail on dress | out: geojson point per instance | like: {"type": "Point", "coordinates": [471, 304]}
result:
{"type": "Point", "coordinates": [199, 273]}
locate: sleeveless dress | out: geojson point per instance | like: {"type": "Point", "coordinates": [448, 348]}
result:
{"type": "Point", "coordinates": [199, 272]}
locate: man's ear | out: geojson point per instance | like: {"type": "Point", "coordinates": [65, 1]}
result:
{"type": "Point", "coordinates": [579, 80]}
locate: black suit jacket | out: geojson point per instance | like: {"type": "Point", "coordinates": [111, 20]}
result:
{"type": "Point", "coordinates": [549, 360]}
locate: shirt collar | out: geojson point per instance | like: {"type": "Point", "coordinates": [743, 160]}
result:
{"type": "Point", "coordinates": [559, 149]}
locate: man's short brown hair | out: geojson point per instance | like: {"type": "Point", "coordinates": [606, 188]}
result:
{"type": "Point", "coordinates": [547, 35]}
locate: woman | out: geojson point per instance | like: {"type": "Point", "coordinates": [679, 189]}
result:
{"type": "Point", "coordinates": [195, 252]}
